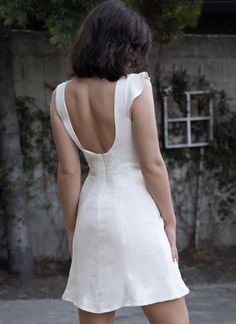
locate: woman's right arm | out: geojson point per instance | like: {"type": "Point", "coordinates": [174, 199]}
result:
{"type": "Point", "coordinates": [151, 162]}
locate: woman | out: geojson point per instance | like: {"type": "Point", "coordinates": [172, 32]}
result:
{"type": "Point", "coordinates": [121, 226]}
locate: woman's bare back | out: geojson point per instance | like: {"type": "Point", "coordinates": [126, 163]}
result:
{"type": "Point", "coordinates": [90, 105]}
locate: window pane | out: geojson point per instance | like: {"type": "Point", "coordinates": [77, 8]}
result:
{"type": "Point", "coordinates": [200, 131]}
{"type": "Point", "coordinates": [177, 109]}
{"type": "Point", "coordinates": [177, 133]}
{"type": "Point", "coordinates": [199, 105]}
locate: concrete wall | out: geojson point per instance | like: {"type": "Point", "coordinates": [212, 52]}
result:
{"type": "Point", "coordinates": [39, 67]}
{"type": "Point", "coordinates": [213, 56]}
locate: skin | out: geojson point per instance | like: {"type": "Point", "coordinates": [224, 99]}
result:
{"type": "Point", "coordinates": [90, 103]}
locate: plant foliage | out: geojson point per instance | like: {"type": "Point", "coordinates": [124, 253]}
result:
{"type": "Point", "coordinates": [62, 18]}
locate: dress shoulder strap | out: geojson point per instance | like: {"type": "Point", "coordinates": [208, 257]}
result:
{"type": "Point", "coordinates": [135, 86]}
{"type": "Point", "coordinates": [63, 113]}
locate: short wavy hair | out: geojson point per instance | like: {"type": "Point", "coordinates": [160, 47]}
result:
{"type": "Point", "coordinates": [113, 40]}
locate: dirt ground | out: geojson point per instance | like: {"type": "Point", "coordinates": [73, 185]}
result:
{"type": "Point", "coordinates": [211, 265]}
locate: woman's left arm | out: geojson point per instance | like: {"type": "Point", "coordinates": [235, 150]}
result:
{"type": "Point", "coordinates": [68, 173]}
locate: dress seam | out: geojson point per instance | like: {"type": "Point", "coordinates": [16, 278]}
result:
{"type": "Point", "coordinates": [98, 293]}
{"type": "Point", "coordinates": [125, 263]}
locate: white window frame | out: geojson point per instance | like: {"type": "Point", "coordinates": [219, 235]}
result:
{"type": "Point", "coordinates": [188, 119]}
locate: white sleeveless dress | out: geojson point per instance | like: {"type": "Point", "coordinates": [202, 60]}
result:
{"type": "Point", "coordinates": [120, 252]}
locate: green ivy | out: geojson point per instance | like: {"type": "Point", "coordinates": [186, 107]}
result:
{"type": "Point", "coordinates": [37, 141]}
{"type": "Point", "coordinates": [28, 131]}
{"type": "Point", "coordinates": [179, 82]}
{"type": "Point", "coordinates": [5, 185]}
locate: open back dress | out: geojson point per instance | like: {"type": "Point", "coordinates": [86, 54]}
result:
{"type": "Point", "coordinates": [120, 252]}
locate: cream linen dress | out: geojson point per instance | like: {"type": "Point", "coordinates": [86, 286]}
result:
{"type": "Point", "coordinates": [121, 255]}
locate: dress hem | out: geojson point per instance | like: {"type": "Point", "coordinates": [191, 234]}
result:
{"type": "Point", "coordinates": [114, 308]}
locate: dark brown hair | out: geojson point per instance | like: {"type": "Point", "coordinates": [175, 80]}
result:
{"type": "Point", "coordinates": [112, 41]}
